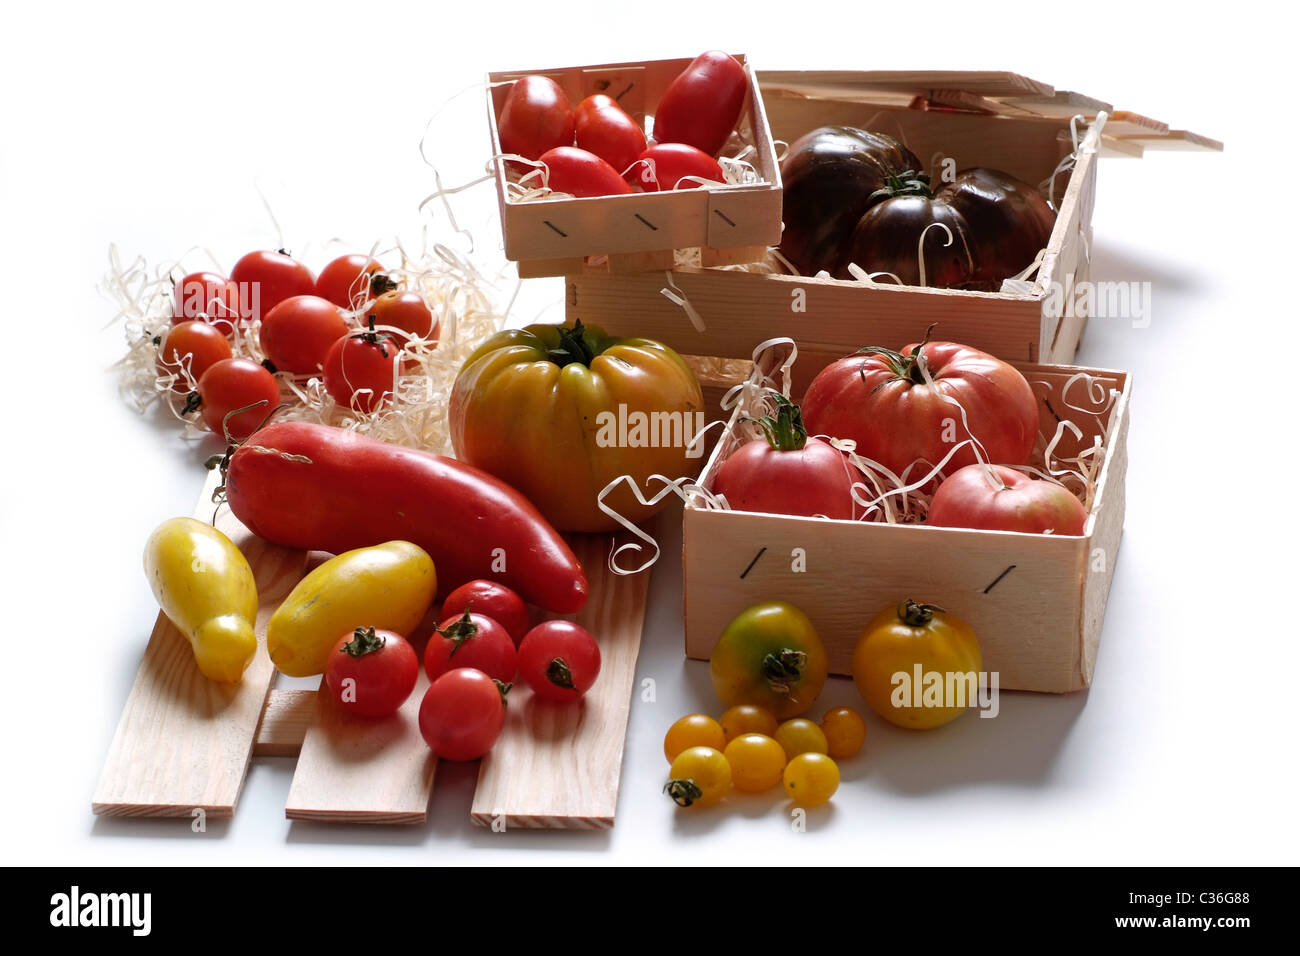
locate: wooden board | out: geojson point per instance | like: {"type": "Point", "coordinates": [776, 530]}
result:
{"type": "Point", "coordinates": [183, 742]}
{"type": "Point", "coordinates": [285, 719]}
{"type": "Point", "coordinates": [558, 765]}
{"type": "Point", "coordinates": [919, 82]}
{"type": "Point", "coordinates": [363, 769]}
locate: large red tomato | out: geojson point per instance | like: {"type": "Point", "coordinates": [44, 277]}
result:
{"type": "Point", "coordinates": [1004, 499]}
{"type": "Point", "coordinates": [882, 400]}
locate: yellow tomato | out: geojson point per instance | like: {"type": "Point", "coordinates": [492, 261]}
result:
{"type": "Point", "coordinates": [747, 719]}
{"type": "Point", "coordinates": [845, 732]}
{"type": "Point", "coordinates": [913, 665]}
{"type": "Point", "coordinates": [800, 736]}
{"type": "Point", "coordinates": [756, 762]}
{"type": "Point", "coordinates": [699, 777]}
{"type": "Point", "coordinates": [693, 730]}
{"type": "Point", "coordinates": [811, 779]}
{"type": "Point", "coordinates": [205, 587]}
{"type": "Point", "coordinates": [388, 587]}
{"type": "Point", "coordinates": [769, 656]}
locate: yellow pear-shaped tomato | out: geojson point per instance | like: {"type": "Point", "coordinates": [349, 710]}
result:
{"type": "Point", "coordinates": [388, 587]}
{"type": "Point", "coordinates": [914, 665]}
{"type": "Point", "coordinates": [559, 413]}
{"type": "Point", "coordinates": [769, 656]}
{"type": "Point", "coordinates": [205, 587]}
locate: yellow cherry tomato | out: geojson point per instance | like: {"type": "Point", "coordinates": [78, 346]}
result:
{"type": "Point", "coordinates": [811, 779]}
{"type": "Point", "coordinates": [800, 736]}
{"type": "Point", "coordinates": [205, 587]}
{"type": "Point", "coordinates": [756, 762]}
{"type": "Point", "coordinates": [699, 777]}
{"type": "Point", "coordinates": [845, 732]}
{"type": "Point", "coordinates": [747, 719]}
{"type": "Point", "coordinates": [388, 587]}
{"type": "Point", "coordinates": [693, 730]}
{"type": "Point", "coordinates": [769, 655]}
{"type": "Point", "coordinates": [907, 660]}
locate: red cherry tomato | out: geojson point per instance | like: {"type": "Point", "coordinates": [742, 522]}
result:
{"type": "Point", "coordinates": [237, 383]}
{"type": "Point", "coordinates": [559, 660]}
{"type": "Point", "coordinates": [493, 600]}
{"type": "Point", "coordinates": [604, 129]}
{"type": "Point", "coordinates": [206, 297]}
{"type": "Point", "coordinates": [297, 334]}
{"type": "Point", "coordinates": [664, 165]}
{"type": "Point", "coordinates": [191, 346]}
{"type": "Point", "coordinates": [345, 281]}
{"type": "Point", "coordinates": [581, 173]}
{"type": "Point", "coordinates": [359, 370]}
{"type": "Point", "coordinates": [372, 672]}
{"type": "Point", "coordinates": [462, 714]}
{"type": "Point", "coordinates": [971, 497]}
{"type": "Point", "coordinates": [703, 105]}
{"type": "Point", "coordinates": [535, 117]}
{"type": "Point", "coordinates": [471, 640]}
{"type": "Point", "coordinates": [265, 279]}
{"type": "Point", "coordinates": [407, 311]}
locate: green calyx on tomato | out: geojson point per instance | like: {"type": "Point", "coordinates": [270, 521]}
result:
{"type": "Point", "coordinates": [459, 632]}
{"type": "Point", "coordinates": [364, 641]}
{"type": "Point", "coordinates": [371, 337]}
{"type": "Point", "coordinates": [683, 792]}
{"type": "Point", "coordinates": [559, 674]}
{"type": "Point", "coordinates": [917, 615]}
{"type": "Point", "coordinates": [573, 347]}
{"type": "Point", "coordinates": [903, 366]}
{"type": "Point", "coordinates": [909, 183]}
{"type": "Point", "coordinates": [381, 283]}
{"type": "Point", "coordinates": [783, 668]}
{"type": "Point", "coordinates": [503, 689]}
{"type": "Point", "coordinates": [784, 430]}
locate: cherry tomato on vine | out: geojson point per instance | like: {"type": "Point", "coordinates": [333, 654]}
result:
{"type": "Point", "coordinates": [535, 117]}
{"type": "Point", "coordinates": [206, 297]}
{"type": "Point", "coordinates": [407, 311]}
{"type": "Point", "coordinates": [192, 347]}
{"type": "Point", "coordinates": [232, 384]}
{"type": "Point", "coordinates": [346, 281]}
{"type": "Point", "coordinates": [845, 732]}
{"type": "Point", "coordinates": [699, 777]}
{"type": "Point", "coordinates": [756, 762]}
{"type": "Point", "coordinates": [265, 279]}
{"type": "Point", "coordinates": [462, 714]}
{"type": "Point", "coordinates": [800, 736]}
{"type": "Point", "coordinates": [811, 779]}
{"type": "Point", "coordinates": [372, 672]}
{"type": "Point", "coordinates": [297, 334]}
{"type": "Point", "coordinates": [359, 370]}
{"type": "Point", "coordinates": [471, 640]}
{"type": "Point", "coordinates": [491, 599]}
{"type": "Point", "coordinates": [605, 129]}
{"type": "Point", "coordinates": [559, 660]}
{"type": "Point", "coordinates": [693, 730]}
{"type": "Point", "coordinates": [582, 174]}
{"type": "Point", "coordinates": [747, 719]}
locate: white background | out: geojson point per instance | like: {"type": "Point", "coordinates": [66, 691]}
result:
{"type": "Point", "coordinates": [153, 125]}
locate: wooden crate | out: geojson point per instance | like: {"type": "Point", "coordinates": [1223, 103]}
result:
{"type": "Point", "coordinates": [639, 232]}
{"type": "Point", "coordinates": [183, 743]}
{"type": "Point", "coordinates": [1036, 602]}
{"type": "Point", "coordinates": [1006, 121]}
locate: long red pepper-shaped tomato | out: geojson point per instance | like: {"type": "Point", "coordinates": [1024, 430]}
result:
{"type": "Point", "coordinates": [323, 488]}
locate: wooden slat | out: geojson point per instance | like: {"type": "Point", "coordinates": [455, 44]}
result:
{"type": "Point", "coordinates": [1116, 148]}
{"type": "Point", "coordinates": [1125, 123]}
{"type": "Point", "coordinates": [285, 719]}
{"type": "Point", "coordinates": [1175, 139]}
{"type": "Point", "coordinates": [983, 82]}
{"type": "Point", "coordinates": [1062, 104]}
{"type": "Point", "coordinates": [966, 100]}
{"type": "Point", "coordinates": [183, 742]}
{"type": "Point", "coordinates": [557, 766]}
{"type": "Point", "coordinates": [363, 769]}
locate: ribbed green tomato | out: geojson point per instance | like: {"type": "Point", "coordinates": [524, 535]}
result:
{"type": "Point", "coordinates": [770, 656]}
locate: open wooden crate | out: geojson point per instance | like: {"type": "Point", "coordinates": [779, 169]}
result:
{"type": "Point", "coordinates": [639, 232]}
{"type": "Point", "coordinates": [1002, 120]}
{"type": "Point", "coordinates": [1036, 602]}
{"type": "Point", "coordinates": [183, 743]}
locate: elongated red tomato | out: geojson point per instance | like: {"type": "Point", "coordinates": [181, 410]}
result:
{"type": "Point", "coordinates": [882, 400]}
{"type": "Point", "coordinates": [535, 117]}
{"type": "Point", "coordinates": [1004, 499]}
{"type": "Point", "coordinates": [664, 165]}
{"type": "Point", "coordinates": [703, 105]}
{"type": "Point", "coordinates": [786, 472]}
{"type": "Point", "coordinates": [605, 129]}
{"type": "Point", "coordinates": [581, 173]}
{"type": "Point", "coordinates": [298, 333]}
{"type": "Point", "coordinates": [330, 489]}
{"type": "Point", "coordinates": [265, 279]}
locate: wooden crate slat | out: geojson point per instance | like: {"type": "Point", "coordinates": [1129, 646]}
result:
{"type": "Point", "coordinates": [183, 742]}
{"type": "Point", "coordinates": [557, 766]}
{"type": "Point", "coordinates": [921, 82]}
{"type": "Point", "coordinates": [363, 769]}
{"type": "Point", "coordinates": [1175, 139]}
{"type": "Point", "coordinates": [1062, 104]}
{"type": "Point", "coordinates": [285, 719]}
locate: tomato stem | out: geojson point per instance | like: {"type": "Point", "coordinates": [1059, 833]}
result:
{"type": "Point", "coordinates": [909, 183]}
{"type": "Point", "coordinates": [559, 674]}
{"type": "Point", "coordinates": [458, 632]}
{"type": "Point", "coordinates": [269, 366]}
{"type": "Point", "coordinates": [785, 431]}
{"type": "Point", "coordinates": [192, 403]}
{"type": "Point", "coordinates": [503, 689]}
{"type": "Point", "coordinates": [683, 792]}
{"type": "Point", "coordinates": [380, 283]}
{"type": "Point", "coordinates": [903, 366]}
{"type": "Point", "coordinates": [917, 615]}
{"type": "Point", "coordinates": [371, 337]}
{"type": "Point", "coordinates": [574, 346]}
{"type": "Point", "coordinates": [783, 668]}
{"type": "Point", "coordinates": [364, 641]}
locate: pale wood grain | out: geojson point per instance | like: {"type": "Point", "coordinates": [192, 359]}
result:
{"type": "Point", "coordinates": [355, 769]}
{"type": "Point", "coordinates": [1068, 260]}
{"type": "Point", "coordinates": [183, 742]}
{"type": "Point", "coordinates": [285, 719]}
{"type": "Point", "coordinates": [920, 82]}
{"type": "Point", "coordinates": [557, 766]}
{"type": "Point", "coordinates": [1175, 139]}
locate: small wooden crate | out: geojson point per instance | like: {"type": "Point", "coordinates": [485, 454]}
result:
{"type": "Point", "coordinates": [1001, 120]}
{"type": "Point", "coordinates": [1036, 602]}
{"type": "Point", "coordinates": [639, 232]}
